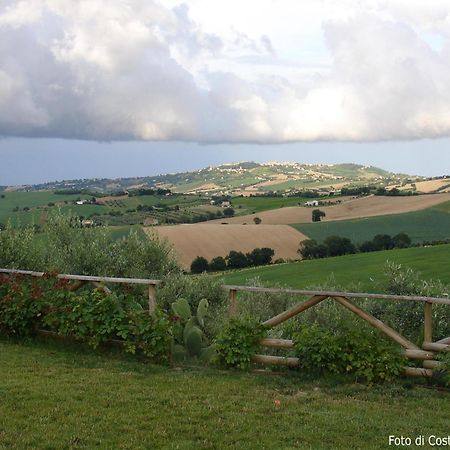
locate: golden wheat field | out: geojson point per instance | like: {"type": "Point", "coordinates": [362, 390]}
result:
{"type": "Point", "coordinates": [192, 240]}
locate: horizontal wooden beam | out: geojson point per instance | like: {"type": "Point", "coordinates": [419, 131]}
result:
{"type": "Point", "coordinates": [418, 372]}
{"type": "Point", "coordinates": [414, 298]}
{"type": "Point", "coordinates": [84, 277]}
{"type": "Point", "coordinates": [295, 362]}
{"type": "Point", "coordinates": [445, 341]}
{"type": "Point", "coordinates": [297, 309]}
{"type": "Point", "coordinates": [418, 354]}
{"type": "Point", "coordinates": [288, 343]}
{"type": "Point", "coordinates": [435, 347]}
{"type": "Point", "coordinates": [275, 360]}
{"type": "Point", "coordinates": [431, 364]}
{"type": "Point", "coordinates": [277, 343]}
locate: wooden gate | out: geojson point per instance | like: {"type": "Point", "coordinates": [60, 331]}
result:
{"type": "Point", "coordinates": [411, 350]}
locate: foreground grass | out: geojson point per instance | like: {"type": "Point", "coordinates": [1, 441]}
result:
{"type": "Point", "coordinates": [365, 270]}
{"type": "Point", "coordinates": [427, 225]}
{"type": "Point", "coordinates": [58, 396]}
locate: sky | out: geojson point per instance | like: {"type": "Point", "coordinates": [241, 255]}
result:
{"type": "Point", "coordinates": [138, 87]}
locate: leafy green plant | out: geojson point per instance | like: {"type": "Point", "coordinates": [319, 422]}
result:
{"type": "Point", "coordinates": [20, 306]}
{"type": "Point", "coordinates": [237, 342]}
{"type": "Point", "coordinates": [359, 352]}
{"type": "Point", "coordinates": [88, 315]}
{"type": "Point", "coordinates": [188, 330]}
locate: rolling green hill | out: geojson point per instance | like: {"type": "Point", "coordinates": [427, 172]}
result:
{"type": "Point", "coordinates": [235, 177]}
{"type": "Point", "coordinates": [25, 208]}
{"type": "Point", "coordinates": [426, 225]}
{"type": "Point", "coordinates": [364, 270]}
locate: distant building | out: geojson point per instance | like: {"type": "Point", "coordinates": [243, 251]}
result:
{"type": "Point", "coordinates": [81, 202]}
{"type": "Point", "coordinates": [312, 203]}
{"type": "Point", "coordinates": [87, 223]}
{"type": "Point", "coordinates": [225, 204]}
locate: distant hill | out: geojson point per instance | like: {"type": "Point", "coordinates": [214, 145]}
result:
{"type": "Point", "coordinates": [244, 178]}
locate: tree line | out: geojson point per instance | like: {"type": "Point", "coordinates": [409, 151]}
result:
{"type": "Point", "coordinates": [338, 245]}
{"type": "Point", "coordinates": [234, 260]}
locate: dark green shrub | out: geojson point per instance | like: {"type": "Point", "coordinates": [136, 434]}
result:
{"type": "Point", "coordinates": [237, 342]}
{"type": "Point", "coordinates": [356, 351]}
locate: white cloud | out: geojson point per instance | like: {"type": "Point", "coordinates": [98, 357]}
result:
{"type": "Point", "coordinates": [211, 71]}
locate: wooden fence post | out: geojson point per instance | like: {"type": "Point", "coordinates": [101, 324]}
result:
{"type": "Point", "coordinates": [428, 322]}
{"type": "Point", "coordinates": [151, 299]}
{"type": "Point", "coordinates": [232, 307]}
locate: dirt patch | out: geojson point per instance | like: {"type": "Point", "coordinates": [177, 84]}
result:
{"type": "Point", "coordinates": [192, 240]}
{"type": "Point", "coordinates": [352, 209]}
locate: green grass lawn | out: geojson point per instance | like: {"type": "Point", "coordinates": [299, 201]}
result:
{"type": "Point", "coordinates": [55, 395]}
{"type": "Point", "coordinates": [350, 270]}
{"type": "Point", "coordinates": [426, 225]}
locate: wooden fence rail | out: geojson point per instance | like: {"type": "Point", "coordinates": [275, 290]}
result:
{"type": "Point", "coordinates": [98, 282]}
{"type": "Point", "coordinates": [411, 350]}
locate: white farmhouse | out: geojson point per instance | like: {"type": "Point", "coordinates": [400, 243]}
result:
{"type": "Point", "coordinates": [312, 203]}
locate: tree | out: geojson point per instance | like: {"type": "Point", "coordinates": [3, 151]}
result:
{"type": "Point", "coordinates": [338, 246]}
{"type": "Point", "coordinates": [401, 240]}
{"type": "Point", "coordinates": [228, 212]}
{"type": "Point", "coordinates": [199, 265]}
{"type": "Point", "coordinates": [382, 242]}
{"type": "Point", "coordinates": [260, 256]}
{"type": "Point", "coordinates": [310, 249]}
{"type": "Point", "coordinates": [237, 260]}
{"type": "Point", "coordinates": [257, 220]}
{"type": "Point", "coordinates": [217, 264]}
{"type": "Point", "coordinates": [317, 215]}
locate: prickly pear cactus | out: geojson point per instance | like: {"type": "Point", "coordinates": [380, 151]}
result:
{"type": "Point", "coordinates": [188, 331]}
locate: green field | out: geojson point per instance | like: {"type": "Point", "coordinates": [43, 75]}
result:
{"type": "Point", "coordinates": [55, 395]}
{"type": "Point", "coordinates": [426, 225]}
{"type": "Point", "coordinates": [36, 201]}
{"type": "Point", "coordinates": [364, 270]}
{"type": "Point", "coordinates": [258, 204]}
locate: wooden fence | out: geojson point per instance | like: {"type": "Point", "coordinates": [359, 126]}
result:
{"type": "Point", "coordinates": [426, 353]}
{"type": "Point", "coordinates": [98, 282]}
{"type": "Point", "coordinates": [413, 352]}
